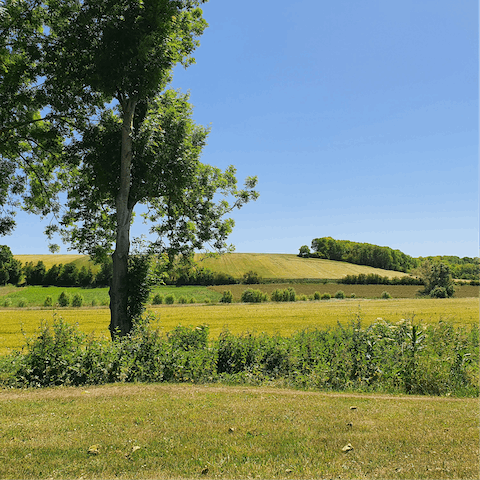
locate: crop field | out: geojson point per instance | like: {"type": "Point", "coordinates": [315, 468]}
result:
{"type": "Point", "coordinates": [282, 318]}
{"type": "Point", "coordinates": [269, 265]}
{"type": "Point", "coordinates": [211, 431]}
{"type": "Point", "coordinates": [360, 291]}
{"type": "Point", "coordinates": [50, 260]}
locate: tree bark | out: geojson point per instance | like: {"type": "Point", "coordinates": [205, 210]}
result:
{"type": "Point", "coordinates": [120, 323]}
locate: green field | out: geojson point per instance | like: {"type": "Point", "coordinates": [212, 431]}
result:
{"type": "Point", "coordinates": [211, 431]}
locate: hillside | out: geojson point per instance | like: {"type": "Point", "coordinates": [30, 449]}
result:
{"type": "Point", "coordinates": [268, 265]}
{"type": "Point", "coordinates": [275, 265]}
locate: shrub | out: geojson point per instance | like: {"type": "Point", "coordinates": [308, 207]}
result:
{"type": "Point", "coordinates": [287, 295]}
{"type": "Point", "coordinates": [385, 295]}
{"type": "Point", "coordinates": [326, 296]}
{"type": "Point", "coordinates": [94, 302]}
{"type": "Point", "coordinates": [303, 298]}
{"type": "Point", "coordinates": [7, 302]}
{"type": "Point", "coordinates": [352, 295]}
{"type": "Point", "coordinates": [192, 300]}
{"type": "Point", "coordinates": [48, 301]}
{"type": "Point", "coordinates": [251, 278]}
{"type": "Point", "coordinates": [22, 302]}
{"type": "Point", "coordinates": [77, 300]}
{"type": "Point", "coordinates": [157, 299]}
{"type": "Point", "coordinates": [316, 296]}
{"type": "Point", "coordinates": [227, 297]}
{"type": "Point", "coordinates": [182, 299]}
{"type": "Point", "coordinates": [340, 294]}
{"type": "Point", "coordinates": [439, 292]}
{"type": "Point", "coordinates": [253, 296]}
{"type": "Point", "coordinates": [64, 299]}
{"type": "Point", "coordinates": [170, 299]}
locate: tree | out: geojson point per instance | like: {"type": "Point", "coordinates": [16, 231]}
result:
{"type": "Point", "coordinates": [436, 277]}
{"type": "Point", "coordinates": [304, 251]}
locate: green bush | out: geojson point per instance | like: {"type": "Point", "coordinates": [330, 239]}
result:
{"type": "Point", "coordinates": [7, 302]}
{"type": "Point", "coordinates": [253, 296]}
{"type": "Point", "coordinates": [22, 302]}
{"type": "Point", "coordinates": [439, 292]}
{"type": "Point", "coordinates": [157, 299]}
{"type": "Point", "coordinates": [385, 295]}
{"type": "Point", "coordinates": [192, 300]}
{"type": "Point", "coordinates": [64, 299]}
{"type": "Point", "coordinates": [316, 296]}
{"type": "Point", "coordinates": [325, 296]}
{"type": "Point", "coordinates": [251, 278]}
{"type": "Point", "coordinates": [182, 299]}
{"type": "Point", "coordinates": [77, 300]}
{"type": "Point", "coordinates": [352, 295]}
{"type": "Point", "coordinates": [170, 299]}
{"type": "Point", "coordinates": [340, 294]}
{"type": "Point", "coordinates": [227, 297]}
{"type": "Point", "coordinates": [303, 298]}
{"type": "Point", "coordinates": [94, 302]}
{"type": "Point", "coordinates": [48, 301]}
{"type": "Point", "coordinates": [287, 295]}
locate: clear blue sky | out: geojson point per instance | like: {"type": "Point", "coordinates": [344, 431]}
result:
{"type": "Point", "coordinates": [360, 120]}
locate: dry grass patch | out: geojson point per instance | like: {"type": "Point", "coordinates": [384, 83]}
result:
{"type": "Point", "coordinates": [225, 432]}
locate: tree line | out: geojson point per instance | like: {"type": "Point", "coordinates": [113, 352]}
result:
{"type": "Point", "coordinates": [359, 254]}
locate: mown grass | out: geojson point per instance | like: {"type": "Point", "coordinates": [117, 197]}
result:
{"type": "Point", "coordinates": [282, 318]}
{"type": "Point", "coordinates": [193, 431]}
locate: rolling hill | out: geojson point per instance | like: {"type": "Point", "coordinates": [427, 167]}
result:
{"type": "Point", "coordinates": [267, 265]}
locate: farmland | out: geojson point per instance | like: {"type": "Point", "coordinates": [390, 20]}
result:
{"type": "Point", "coordinates": [282, 318]}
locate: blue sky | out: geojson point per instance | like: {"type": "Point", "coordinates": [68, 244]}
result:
{"type": "Point", "coordinates": [360, 120]}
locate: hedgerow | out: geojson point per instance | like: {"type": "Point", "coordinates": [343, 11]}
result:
{"type": "Point", "coordinates": [405, 357]}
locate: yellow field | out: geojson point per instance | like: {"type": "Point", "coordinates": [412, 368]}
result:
{"type": "Point", "coordinates": [270, 265]}
{"type": "Point", "coordinates": [283, 318]}
{"type": "Point", "coordinates": [50, 260]}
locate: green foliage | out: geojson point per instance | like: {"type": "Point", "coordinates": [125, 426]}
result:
{"type": "Point", "coordinates": [385, 295]}
{"type": "Point", "coordinates": [253, 296]}
{"type": "Point", "coordinates": [374, 279]}
{"type": "Point", "coordinates": [64, 299]}
{"type": "Point", "coordinates": [7, 302]}
{"type": "Point", "coordinates": [325, 296]}
{"type": "Point", "coordinates": [340, 294]}
{"type": "Point", "coordinates": [139, 285]}
{"type": "Point", "coordinates": [170, 299]}
{"type": "Point", "coordinates": [77, 300]}
{"type": "Point", "coordinates": [304, 251]}
{"type": "Point", "coordinates": [227, 297]}
{"type": "Point", "coordinates": [251, 278]}
{"type": "Point", "coordinates": [362, 254]}
{"type": "Point", "coordinates": [316, 296]}
{"type": "Point", "coordinates": [157, 299]}
{"type": "Point", "coordinates": [286, 295]}
{"type": "Point", "coordinates": [48, 301]}
{"type": "Point", "coordinates": [22, 302]}
{"type": "Point", "coordinates": [10, 269]}
{"type": "Point", "coordinates": [392, 358]}
{"type": "Point", "coordinates": [437, 279]}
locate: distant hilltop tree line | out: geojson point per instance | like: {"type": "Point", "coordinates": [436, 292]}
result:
{"type": "Point", "coordinates": [385, 257]}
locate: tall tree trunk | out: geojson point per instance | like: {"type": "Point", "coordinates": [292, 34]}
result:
{"type": "Point", "coordinates": [120, 324]}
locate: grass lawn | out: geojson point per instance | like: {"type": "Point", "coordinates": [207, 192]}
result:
{"type": "Point", "coordinates": [283, 318]}
{"type": "Point", "coordinates": [201, 431]}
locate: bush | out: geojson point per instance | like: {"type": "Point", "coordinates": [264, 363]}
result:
{"type": "Point", "coordinates": [227, 297]}
{"type": "Point", "coordinates": [287, 295]}
{"type": "Point", "coordinates": [326, 296]}
{"type": "Point", "coordinates": [251, 278]}
{"type": "Point", "coordinates": [7, 302]}
{"type": "Point", "coordinates": [182, 299]}
{"type": "Point", "coordinates": [340, 294]}
{"type": "Point", "coordinates": [439, 292]}
{"type": "Point", "coordinates": [303, 298]}
{"type": "Point", "coordinates": [170, 299]}
{"type": "Point", "coordinates": [77, 300]}
{"type": "Point", "coordinates": [22, 302]}
{"type": "Point", "coordinates": [157, 299]}
{"type": "Point", "coordinates": [64, 299]}
{"type": "Point", "coordinates": [385, 295]}
{"type": "Point", "coordinates": [352, 295]}
{"type": "Point", "coordinates": [94, 302]}
{"type": "Point", "coordinates": [316, 296]}
{"type": "Point", "coordinates": [253, 296]}
{"type": "Point", "coordinates": [192, 300]}
{"type": "Point", "coordinates": [48, 301]}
